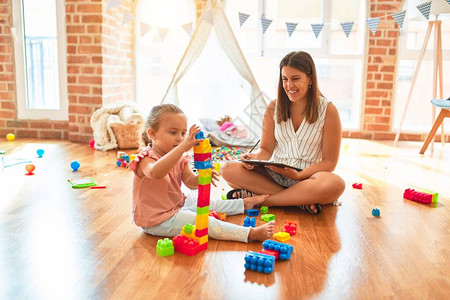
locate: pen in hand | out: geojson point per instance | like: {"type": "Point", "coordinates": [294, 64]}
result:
{"type": "Point", "coordinates": [253, 148]}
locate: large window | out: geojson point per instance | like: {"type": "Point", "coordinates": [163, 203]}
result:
{"type": "Point", "coordinates": [39, 40]}
{"type": "Point", "coordinates": [418, 116]}
{"type": "Point", "coordinates": [339, 60]}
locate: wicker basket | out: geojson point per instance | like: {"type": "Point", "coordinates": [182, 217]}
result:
{"type": "Point", "coordinates": [128, 136]}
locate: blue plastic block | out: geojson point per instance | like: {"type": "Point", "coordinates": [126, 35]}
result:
{"type": "Point", "coordinates": [252, 212]}
{"type": "Point", "coordinates": [259, 262]}
{"type": "Point", "coordinates": [199, 135]}
{"type": "Point", "coordinates": [375, 212]}
{"type": "Point", "coordinates": [249, 222]}
{"type": "Point", "coordinates": [284, 249]}
{"type": "Point", "coordinates": [202, 165]}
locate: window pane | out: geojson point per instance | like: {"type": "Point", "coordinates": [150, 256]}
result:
{"type": "Point", "coordinates": [41, 51]}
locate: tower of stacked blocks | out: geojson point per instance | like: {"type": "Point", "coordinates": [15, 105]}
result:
{"type": "Point", "coordinates": [194, 239]}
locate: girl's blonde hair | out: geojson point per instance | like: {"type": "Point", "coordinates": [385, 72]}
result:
{"type": "Point", "coordinates": [154, 117]}
{"type": "Point", "coordinates": [301, 61]}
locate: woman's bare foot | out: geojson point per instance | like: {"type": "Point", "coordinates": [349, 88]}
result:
{"type": "Point", "coordinates": [262, 233]}
{"type": "Point", "coordinates": [250, 202]}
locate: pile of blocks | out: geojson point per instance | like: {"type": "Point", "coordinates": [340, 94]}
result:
{"type": "Point", "coordinates": [423, 197]}
{"type": "Point", "coordinates": [264, 261]}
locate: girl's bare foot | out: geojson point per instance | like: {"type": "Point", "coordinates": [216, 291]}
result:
{"type": "Point", "coordinates": [262, 233]}
{"type": "Point", "coordinates": [250, 202]}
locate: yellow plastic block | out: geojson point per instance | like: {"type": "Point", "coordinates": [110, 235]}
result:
{"type": "Point", "coordinates": [201, 221]}
{"type": "Point", "coordinates": [202, 240]}
{"type": "Point", "coordinates": [282, 236]}
{"type": "Point", "coordinates": [205, 173]}
{"type": "Point", "coordinates": [191, 235]}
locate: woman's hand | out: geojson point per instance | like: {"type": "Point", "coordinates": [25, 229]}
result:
{"type": "Point", "coordinates": [247, 156]}
{"type": "Point", "coordinates": [288, 172]}
{"type": "Point", "coordinates": [190, 139]}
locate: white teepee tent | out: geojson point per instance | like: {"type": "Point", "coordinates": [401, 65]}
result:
{"type": "Point", "coordinates": [214, 17]}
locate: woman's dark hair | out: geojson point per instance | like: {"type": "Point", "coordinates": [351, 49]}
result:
{"type": "Point", "coordinates": [301, 61]}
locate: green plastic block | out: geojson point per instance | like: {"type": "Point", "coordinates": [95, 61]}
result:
{"type": "Point", "coordinates": [188, 228]}
{"type": "Point", "coordinates": [164, 247]}
{"type": "Point", "coordinates": [204, 180]}
{"type": "Point", "coordinates": [268, 217]}
{"type": "Point", "coordinates": [203, 210]}
{"type": "Point", "coordinates": [264, 210]}
{"type": "Point", "coordinates": [224, 197]}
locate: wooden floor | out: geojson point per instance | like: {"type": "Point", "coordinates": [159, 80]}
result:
{"type": "Point", "coordinates": [60, 243]}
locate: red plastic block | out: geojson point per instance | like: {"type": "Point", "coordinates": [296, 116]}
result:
{"type": "Point", "coordinates": [202, 232]}
{"type": "Point", "coordinates": [202, 156]}
{"type": "Point", "coordinates": [187, 246]}
{"type": "Point", "coordinates": [422, 197]}
{"type": "Point", "coordinates": [214, 214]}
{"type": "Point", "coordinates": [271, 252]}
{"type": "Point", "coordinates": [357, 186]}
{"type": "Point", "coordinates": [290, 227]}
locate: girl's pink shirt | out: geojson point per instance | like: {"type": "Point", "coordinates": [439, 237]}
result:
{"type": "Point", "coordinates": [156, 200]}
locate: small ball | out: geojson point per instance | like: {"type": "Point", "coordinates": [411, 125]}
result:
{"type": "Point", "coordinates": [30, 168]}
{"type": "Point", "coordinates": [10, 136]}
{"type": "Point", "coordinates": [75, 165]}
{"type": "Point", "coordinates": [40, 152]}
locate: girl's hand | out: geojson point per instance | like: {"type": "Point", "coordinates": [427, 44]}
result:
{"type": "Point", "coordinates": [246, 156]}
{"type": "Point", "coordinates": [288, 172]}
{"type": "Point", "coordinates": [190, 140]}
{"type": "Point", "coordinates": [214, 178]}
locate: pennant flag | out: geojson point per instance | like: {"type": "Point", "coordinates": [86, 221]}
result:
{"type": "Point", "coordinates": [243, 17]}
{"type": "Point", "coordinates": [162, 32]}
{"type": "Point", "coordinates": [399, 17]}
{"type": "Point", "coordinates": [373, 24]}
{"type": "Point", "coordinates": [265, 24]}
{"type": "Point", "coordinates": [208, 17]}
{"type": "Point", "coordinates": [291, 27]}
{"type": "Point", "coordinates": [317, 28]}
{"type": "Point", "coordinates": [145, 28]}
{"type": "Point", "coordinates": [424, 8]}
{"type": "Point", "coordinates": [347, 27]}
{"type": "Point", "coordinates": [127, 17]}
{"type": "Point", "coordinates": [112, 4]}
{"type": "Point", "coordinates": [188, 28]}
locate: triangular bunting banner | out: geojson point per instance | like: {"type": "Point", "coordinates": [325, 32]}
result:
{"type": "Point", "coordinates": [162, 32]}
{"type": "Point", "coordinates": [373, 24]}
{"type": "Point", "coordinates": [127, 17]}
{"type": "Point", "coordinates": [242, 18]}
{"type": "Point", "coordinates": [424, 8]}
{"type": "Point", "coordinates": [317, 28]}
{"type": "Point", "coordinates": [145, 28]}
{"type": "Point", "coordinates": [265, 24]}
{"type": "Point", "coordinates": [291, 27]}
{"type": "Point", "coordinates": [188, 28]}
{"type": "Point", "coordinates": [347, 27]}
{"type": "Point", "coordinates": [208, 17]}
{"type": "Point", "coordinates": [113, 4]}
{"type": "Point", "coordinates": [399, 17]}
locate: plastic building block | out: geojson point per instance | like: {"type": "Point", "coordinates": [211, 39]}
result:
{"type": "Point", "coordinates": [203, 210]}
{"type": "Point", "coordinates": [268, 217]}
{"type": "Point", "coordinates": [224, 197]}
{"type": "Point", "coordinates": [282, 236]}
{"type": "Point", "coordinates": [164, 247]}
{"type": "Point", "coordinates": [259, 262]}
{"type": "Point", "coordinates": [276, 254]}
{"type": "Point", "coordinates": [199, 135]}
{"type": "Point", "coordinates": [422, 197]}
{"type": "Point", "coordinates": [202, 156]}
{"type": "Point", "coordinates": [357, 186]}
{"type": "Point", "coordinates": [375, 212]}
{"type": "Point", "coordinates": [212, 213]}
{"type": "Point", "coordinates": [249, 222]}
{"type": "Point", "coordinates": [202, 164]}
{"type": "Point", "coordinates": [252, 212]}
{"type": "Point", "coordinates": [264, 210]}
{"type": "Point", "coordinates": [284, 249]}
{"type": "Point", "coordinates": [290, 227]}
{"type": "Point", "coordinates": [188, 228]}
{"type": "Point", "coordinates": [188, 246]}
{"type": "Point", "coordinates": [222, 216]}
{"type": "Point", "coordinates": [201, 232]}
{"type": "Point", "coordinates": [201, 221]}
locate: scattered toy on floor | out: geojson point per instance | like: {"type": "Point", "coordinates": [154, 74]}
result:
{"type": "Point", "coordinates": [30, 168]}
{"type": "Point", "coordinates": [75, 165]}
{"type": "Point", "coordinates": [426, 197]}
{"type": "Point", "coordinates": [375, 212]}
{"type": "Point", "coordinates": [10, 137]}
{"type": "Point", "coordinates": [40, 152]}
{"type": "Point", "coordinates": [357, 186]}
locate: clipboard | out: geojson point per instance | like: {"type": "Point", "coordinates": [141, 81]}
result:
{"type": "Point", "coordinates": [263, 163]}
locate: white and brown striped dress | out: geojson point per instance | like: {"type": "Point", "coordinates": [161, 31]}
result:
{"type": "Point", "coordinates": [301, 148]}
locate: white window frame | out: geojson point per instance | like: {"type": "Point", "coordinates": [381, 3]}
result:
{"type": "Point", "coordinates": [21, 92]}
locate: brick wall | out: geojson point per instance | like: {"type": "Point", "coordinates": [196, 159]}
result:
{"type": "Point", "coordinates": [99, 69]}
